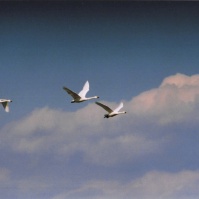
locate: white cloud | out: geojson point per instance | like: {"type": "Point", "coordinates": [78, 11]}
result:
{"type": "Point", "coordinates": [158, 185]}
{"type": "Point", "coordinates": [45, 128]}
{"type": "Point", "coordinates": [67, 133]}
{"type": "Point", "coordinates": [107, 141]}
{"type": "Point", "coordinates": [181, 80]}
{"type": "Point", "coordinates": [114, 150]}
{"type": "Point", "coordinates": [33, 185]}
{"type": "Point", "coordinates": [110, 142]}
{"type": "Point", "coordinates": [175, 100]}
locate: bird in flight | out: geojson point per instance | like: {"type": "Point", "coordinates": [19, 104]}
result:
{"type": "Point", "coordinates": [81, 97]}
{"type": "Point", "coordinates": [5, 102]}
{"type": "Point", "coordinates": [111, 113]}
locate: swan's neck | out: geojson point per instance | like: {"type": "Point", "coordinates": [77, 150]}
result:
{"type": "Point", "coordinates": [94, 97]}
{"type": "Point", "coordinates": [122, 112]}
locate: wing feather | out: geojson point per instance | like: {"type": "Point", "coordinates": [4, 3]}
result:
{"type": "Point", "coordinates": [119, 107]}
{"type": "Point", "coordinates": [73, 94]}
{"type": "Point", "coordinates": [5, 106]}
{"type": "Point", "coordinates": [104, 107]}
{"type": "Point", "coordinates": [85, 89]}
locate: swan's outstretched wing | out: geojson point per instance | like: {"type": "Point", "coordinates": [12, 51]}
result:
{"type": "Point", "coordinates": [104, 107]}
{"type": "Point", "coordinates": [5, 106]}
{"type": "Point", "coordinates": [119, 107]}
{"type": "Point", "coordinates": [74, 95]}
{"type": "Point", "coordinates": [85, 89]}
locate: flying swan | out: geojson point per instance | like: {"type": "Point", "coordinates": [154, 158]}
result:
{"type": "Point", "coordinates": [111, 113]}
{"type": "Point", "coordinates": [82, 94]}
{"type": "Point", "coordinates": [5, 102]}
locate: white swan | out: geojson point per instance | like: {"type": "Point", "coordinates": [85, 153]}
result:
{"type": "Point", "coordinates": [82, 94]}
{"type": "Point", "coordinates": [111, 113]}
{"type": "Point", "coordinates": [5, 102]}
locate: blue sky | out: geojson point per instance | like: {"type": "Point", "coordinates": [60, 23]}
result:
{"type": "Point", "coordinates": [142, 53]}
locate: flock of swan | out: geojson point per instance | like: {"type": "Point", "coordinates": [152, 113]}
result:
{"type": "Point", "coordinates": [77, 98]}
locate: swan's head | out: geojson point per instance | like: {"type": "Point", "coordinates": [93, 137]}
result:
{"type": "Point", "coordinates": [96, 96]}
{"type": "Point", "coordinates": [106, 116]}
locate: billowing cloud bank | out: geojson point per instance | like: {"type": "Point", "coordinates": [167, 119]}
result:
{"type": "Point", "coordinates": [115, 140]}
{"type": "Point", "coordinates": [87, 132]}
{"type": "Point", "coordinates": [158, 185]}
{"type": "Point", "coordinates": [175, 100]}
{"type": "Point", "coordinates": [143, 134]}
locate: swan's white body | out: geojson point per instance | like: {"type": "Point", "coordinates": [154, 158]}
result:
{"type": "Point", "coordinates": [111, 113]}
{"type": "Point", "coordinates": [5, 102]}
{"type": "Point", "coordinates": [82, 94]}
